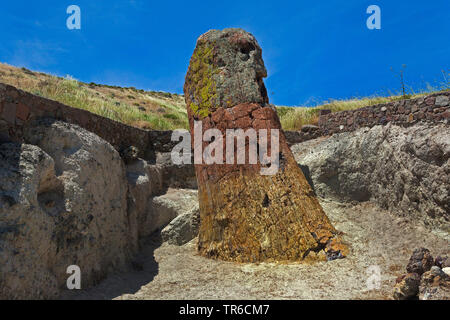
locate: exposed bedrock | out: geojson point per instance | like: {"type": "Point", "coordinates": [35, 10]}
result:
{"type": "Point", "coordinates": [63, 201]}
{"type": "Point", "coordinates": [244, 215]}
{"type": "Point", "coordinates": [68, 198]}
{"type": "Point", "coordinates": [406, 170]}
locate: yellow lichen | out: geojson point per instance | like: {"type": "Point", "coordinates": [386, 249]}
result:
{"type": "Point", "coordinates": [200, 76]}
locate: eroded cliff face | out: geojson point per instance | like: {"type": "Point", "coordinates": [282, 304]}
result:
{"type": "Point", "coordinates": [63, 202]}
{"type": "Point", "coordinates": [403, 169]}
{"type": "Point", "coordinates": [68, 198]}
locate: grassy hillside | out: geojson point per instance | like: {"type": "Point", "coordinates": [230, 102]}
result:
{"type": "Point", "coordinates": [156, 110]}
{"type": "Point", "coordinates": [139, 108]}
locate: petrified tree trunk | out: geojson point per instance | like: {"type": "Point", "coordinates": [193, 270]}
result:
{"type": "Point", "coordinates": [246, 216]}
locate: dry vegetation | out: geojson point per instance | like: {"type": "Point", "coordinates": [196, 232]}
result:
{"type": "Point", "coordinates": [293, 118]}
{"type": "Point", "coordinates": [144, 109]}
{"type": "Point", "coordinates": [159, 110]}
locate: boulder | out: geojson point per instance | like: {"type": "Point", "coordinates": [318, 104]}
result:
{"type": "Point", "coordinates": [402, 169]}
{"type": "Point", "coordinates": [407, 287]}
{"type": "Point", "coordinates": [167, 207]}
{"type": "Point", "coordinates": [183, 228]}
{"type": "Point", "coordinates": [420, 261]}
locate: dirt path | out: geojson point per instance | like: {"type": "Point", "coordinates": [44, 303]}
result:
{"type": "Point", "coordinates": [377, 238]}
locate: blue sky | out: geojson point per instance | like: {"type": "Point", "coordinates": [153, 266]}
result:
{"type": "Point", "coordinates": [313, 50]}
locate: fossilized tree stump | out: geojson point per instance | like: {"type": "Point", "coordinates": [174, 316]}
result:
{"type": "Point", "coordinates": [246, 216]}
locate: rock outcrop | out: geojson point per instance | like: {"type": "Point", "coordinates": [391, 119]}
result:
{"type": "Point", "coordinates": [420, 262]}
{"type": "Point", "coordinates": [246, 216]}
{"type": "Point", "coordinates": [60, 205]}
{"type": "Point", "coordinates": [183, 204]}
{"type": "Point", "coordinates": [405, 170]}
{"type": "Point", "coordinates": [68, 197]}
{"type": "Point", "coordinates": [144, 181]}
{"type": "Point", "coordinates": [170, 205]}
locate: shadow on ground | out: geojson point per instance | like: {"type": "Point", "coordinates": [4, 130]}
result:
{"type": "Point", "coordinates": [143, 270]}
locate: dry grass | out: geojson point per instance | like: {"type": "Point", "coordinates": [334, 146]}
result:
{"type": "Point", "coordinates": [158, 110]}
{"type": "Point", "coordinates": [144, 109]}
{"type": "Point", "coordinates": [293, 118]}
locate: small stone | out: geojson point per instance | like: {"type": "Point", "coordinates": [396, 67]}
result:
{"type": "Point", "coordinates": [309, 128]}
{"type": "Point", "coordinates": [441, 101]}
{"type": "Point", "coordinates": [420, 261]}
{"type": "Point", "coordinates": [130, 154]}
{"type": "Point", "coordinates": [446, 271]}
{"type": "Point", "coordinates": [420, 115]}
{"type": "Point", "coordinates": [442, 262]}
{"type": "Point", "coordinates": [436, 271]}
{"type": "Point", "coordinates": [435, 285]}
{"type": "Point", "coordinates": [446, 115]}
{"type": "Point", "coordinates": [407, 287]}
{"type": "Point", "coordinates": [383, 109]}
{"type": "Point", "coordinates": [429, 101]}
{"type": "Point", "coordinates": [335, 250]}
{"type": "Point", "coordinates": [323, 112]}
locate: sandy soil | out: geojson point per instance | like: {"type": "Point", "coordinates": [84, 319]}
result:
{"type": "Point", "coordinates": [377, 238]}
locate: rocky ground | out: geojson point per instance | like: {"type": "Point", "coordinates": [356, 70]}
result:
{"type": "Point", "coordinates": [66, 197]}
{"type": "Point", "coordinates": [376, 237]}
{"type": "Point", "coordinates": [403, 170]}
